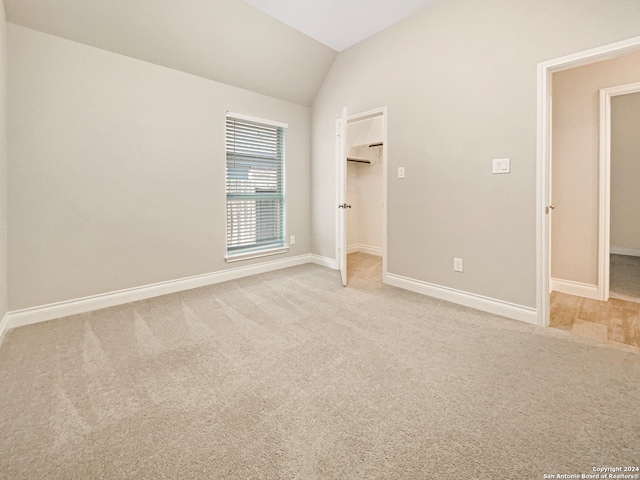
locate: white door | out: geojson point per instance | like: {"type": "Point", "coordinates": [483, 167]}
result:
{"type": "Point", "coordinates": [341, 161]}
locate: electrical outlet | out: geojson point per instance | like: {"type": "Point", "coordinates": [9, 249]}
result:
{"type": "Point", "coordinates": [292, 241]}
{"type": "Point", "coordinates": [457, 264]}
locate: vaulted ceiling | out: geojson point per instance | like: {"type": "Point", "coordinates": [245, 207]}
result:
{"type": "Point", "coordinates": [228, 41]}
{"type": "Point", "coordinates": [340, 24]}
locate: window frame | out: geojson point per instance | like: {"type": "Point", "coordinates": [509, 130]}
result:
{"type": "Point", "coordinates": [250, 252]}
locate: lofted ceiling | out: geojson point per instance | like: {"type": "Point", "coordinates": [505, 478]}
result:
{"type": "Point", "coordinates": [285, 53]}
{"type": "Point", "coordinates": [340, 24]}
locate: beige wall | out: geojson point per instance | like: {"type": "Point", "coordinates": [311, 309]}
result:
{"type": "Point", "coordinates": [3, 163]}
{"type": "Point", "coordinates": [226, 41]}
{"type": "Point", "coordinates": [459, 81]}
{"type": "Point", "coordinates": [625, 172]}
{"type": "Point", "coordinates": [370, 205]}
{"type": "Point", "coordinates": [575, 158]}
{"type": "Point", "coordinates": [364, 194]}
{"type": "Point", "coordinates": [352, 199]}
{"type": "Point", "coordinates": [117, 170]}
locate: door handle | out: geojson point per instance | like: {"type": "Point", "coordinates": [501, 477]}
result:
{"type": "Point", "coordinates": [344, 205]}
{"type": "Point", "coordinates": [551, 207]}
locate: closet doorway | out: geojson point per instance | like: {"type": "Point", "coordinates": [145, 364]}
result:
{"type": "Point", "coordinates": [361, 219]}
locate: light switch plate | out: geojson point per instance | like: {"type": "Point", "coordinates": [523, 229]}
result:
{"type": "Point", "coordinates": [501, 165]}
{"type": "Point", "coordinates": [457, 264]}
{"type": "Point", "coordinates": [400, 172]}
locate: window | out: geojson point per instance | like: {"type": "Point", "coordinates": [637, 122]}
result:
{"type": "Point", "coordinates": [255, 187]}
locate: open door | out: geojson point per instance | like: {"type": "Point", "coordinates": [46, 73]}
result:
{"type": "Point", "coordinates": [341, 161]}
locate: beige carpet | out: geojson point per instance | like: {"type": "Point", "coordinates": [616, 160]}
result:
{"type": "Point", "coordinates": [290, 375]}
{"type": "Point", "coordinates": [362, 267]}
{"type": "Point", "coordinates": [624, 277]}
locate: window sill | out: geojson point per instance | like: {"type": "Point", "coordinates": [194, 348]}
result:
{"type": "Point", "coordinates": [249, 255]}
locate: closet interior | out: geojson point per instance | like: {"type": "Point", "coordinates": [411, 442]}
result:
{"type": "Point", "coordinates": [364, 186]}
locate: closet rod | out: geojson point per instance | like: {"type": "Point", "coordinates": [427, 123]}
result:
{"type": "Point", "coordinates": [359, 160]}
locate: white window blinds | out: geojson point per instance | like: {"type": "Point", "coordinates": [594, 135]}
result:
{"type": "Point", "coordinates": [255, 186]}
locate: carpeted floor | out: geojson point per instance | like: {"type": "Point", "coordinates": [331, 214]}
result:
{"type": "Point", "coordinates": [362, 267]}
{"type": "Point", "coordinates": [290, 375]}
{"type": "Point", "coordinates": [624, 277]}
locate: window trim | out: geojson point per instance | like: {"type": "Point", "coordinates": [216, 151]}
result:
{"type": "Point", "coordinates": [249, 118]}
{"type": "Point", "coordinates": [237, 257]}
{"type": "Point", "coordinates": [251, 254]}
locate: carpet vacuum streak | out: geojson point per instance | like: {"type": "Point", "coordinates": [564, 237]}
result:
{"type": "Point", "coordinates": [290, 375]}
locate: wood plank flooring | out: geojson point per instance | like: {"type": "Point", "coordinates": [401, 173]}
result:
{"type": "Point", "coordinates": [615, 322]}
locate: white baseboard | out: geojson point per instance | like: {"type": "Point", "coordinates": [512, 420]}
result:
{"type": "Point", "coordinates": [377, 251]}
{"type": "Point", "coordinates": [575, 288]}
{"type": "Point", "coordinates": [324, 261]}
{"type": "Point", "coordinates": [479, 302]}
{"type": "Point", "coordinates": [27, 316]}
{"type": "Point", "coordinates": [632, 252]}
{"type": "Point", "coordinates": [52, 311]}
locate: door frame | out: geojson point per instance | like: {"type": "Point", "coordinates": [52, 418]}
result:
{"type": "Point", "coordinates": [543, 163]}
{"type": "Point", "coordinates": [341, 171]}
{"type": "Point", "coordinates": [604, 250]}
{"type": "Point", "coordinates": [341, 200]}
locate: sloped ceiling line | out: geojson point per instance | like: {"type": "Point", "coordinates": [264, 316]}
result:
{"type": "Point", "coordinates": [229, 41]}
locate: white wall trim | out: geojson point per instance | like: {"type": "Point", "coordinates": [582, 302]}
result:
{"type": "Point", "coordinates": [543, 170]}
{"type": "Point", "coordinates": [265, 121]}
{"type": "Point", "coordinates": [632, 252]}
{"type": "Point", "coordinates": [479, 302]}
{"type": "Point", "coordinates": [377, 251]}
{"type": "Point", "coordinates": [575, 288]}
{"type": "Point", "coordinates": [358, 248]}
{"type": "Point", "coordinates": [4, 326]}
{"type": "Point", "coordinates": [240, 257]}
{"type": "Point", "coordinates": [324, 261]}
{"type": "Point", "coordinates": [604, 162]}
{"type": "Point", "coordinates": [27, 316]}
{"type": "Point", "coordinates": [604, 196]}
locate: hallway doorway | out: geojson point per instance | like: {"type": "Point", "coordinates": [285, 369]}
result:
{"type": "Point", "coordinates": [592, 191]}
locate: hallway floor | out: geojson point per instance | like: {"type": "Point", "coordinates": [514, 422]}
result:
{"type": "Point", "coordinates": [616, 322]}
{"type": "Point", "coordinates": [624, 277]}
